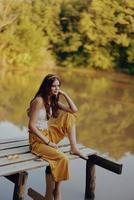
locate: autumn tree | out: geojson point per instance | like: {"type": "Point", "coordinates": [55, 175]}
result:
{"type": "Point", "coordinates": [78, 33]}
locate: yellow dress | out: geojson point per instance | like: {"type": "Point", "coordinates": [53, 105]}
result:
{"type": "Point", "coordinates": [57, 129]}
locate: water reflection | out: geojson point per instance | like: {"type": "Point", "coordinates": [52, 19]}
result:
{"type": "Point", "coordinates": [11, 130]}
{"type": "Point", "coordinates": [105, 123]}
{"type": "Point", "coordinates": [106, 120]}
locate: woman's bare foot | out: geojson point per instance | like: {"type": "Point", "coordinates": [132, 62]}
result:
{"type": "Point", "coordinates": [76, 151]}
{"type": "Point", "coordinates": [57, 194]}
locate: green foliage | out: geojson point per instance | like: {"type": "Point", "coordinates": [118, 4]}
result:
{"type": "Point", "coordinates": [87, 33]}
{"type": "Point", "coordinates": [22, 42]}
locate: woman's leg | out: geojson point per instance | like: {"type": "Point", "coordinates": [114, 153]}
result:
{"type": "Point", "coordinates": [58, 161]}
{"type": "Point", "coordinates": [57, 191]}
{"type": "Point", "coordinates": [65, 124]}
{"type": "Point", "coordinates": [73, 143]}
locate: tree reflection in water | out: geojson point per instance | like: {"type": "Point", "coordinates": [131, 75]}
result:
{"type": "Point", "coordinates": [105, 118]}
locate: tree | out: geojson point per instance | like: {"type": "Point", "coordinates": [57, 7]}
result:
{"type": "Point", "coordinates": [78, 33]}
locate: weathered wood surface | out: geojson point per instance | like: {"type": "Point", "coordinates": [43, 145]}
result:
{"type": "Point", "coordinates": [90, 180]}
{"type": "Point", "coordinates": [25, 160]}
{"type": "Point", "coordinates": [19, 180]}
{"type": "Point", "coordinates": [16, 159]}
{"type": "Point", "coordinates": [36, 195]}
{"type": "Point", "coordinates": [49, 188]}
{"type": "Point", "coordinates": [3, 141]}
{"type": "Point", "coordinates": [107, 164]}
{"type": "Point", "coordinates": [20, 184]}
{"type": "Point", "coordinates": [12, 151]}
{"type": "Point", "coordinates": [10, 145]}
{"type": "Point", "coordinates": [15, 156]}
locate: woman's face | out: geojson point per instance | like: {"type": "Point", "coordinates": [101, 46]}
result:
{"type": "Point", "coordinates": [55, 87]}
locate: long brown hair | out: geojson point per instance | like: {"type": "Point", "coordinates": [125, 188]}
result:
{"type": "Point", "coordinates": [44, 92]}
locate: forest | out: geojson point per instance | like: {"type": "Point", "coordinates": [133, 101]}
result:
{"type": "Point", "coordinates": [67, 33]}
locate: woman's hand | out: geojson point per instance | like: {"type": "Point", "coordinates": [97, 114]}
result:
{"type": "Point", "coordinates": [61, 92]}
{"type": "Point", "coordinates": [51, 144]}
{"type": "Point", "coordinates": [71, 105]}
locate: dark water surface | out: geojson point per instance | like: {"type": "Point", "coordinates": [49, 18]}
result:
{"type": "Point", "coordinates": [105, 123]}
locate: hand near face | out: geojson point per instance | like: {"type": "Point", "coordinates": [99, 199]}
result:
{"type": "Point", "coordinates": [61, 92]}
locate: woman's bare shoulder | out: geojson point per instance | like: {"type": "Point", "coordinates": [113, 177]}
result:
{"type": "Point", "coordinates": [38, 101]}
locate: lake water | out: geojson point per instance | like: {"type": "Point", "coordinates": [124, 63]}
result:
{"type": "Point", "coordinates": [105, 123]}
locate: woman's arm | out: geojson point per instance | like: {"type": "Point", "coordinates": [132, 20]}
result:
{"type": "Point", "coordinates": [71, 105]}
{"type": "Point", "coordinates": [34, 108]}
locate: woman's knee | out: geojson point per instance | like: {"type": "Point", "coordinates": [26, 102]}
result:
{"type": "Point", "coordinates": [63, 157]}
{"type": "Point", "coordinates": [70, 115]}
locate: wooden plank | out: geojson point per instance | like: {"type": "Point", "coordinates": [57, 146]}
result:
{"type": "Point", "coordinates": [23, 166]}
{"type": "Point", "coordinates": [107, 164]}
{"type": "Point", "coordinates": [13, 144]}
{"type": "Point", "coordinates": [20, 184]}
{"type": "Point", "coordinates": [13, 178]}
{"type": "Point", "coordinates": [35, 195]}
{"type": "Point", "coordinates": [24, 142]}
{"type": "Point", "coordinates": [29, 156]}
{"type": "Point", "coordinates": [3, 141]}
{"type": "Point", "coordinates": [90, 180]}
{"type": "Point", "coordinates": [19, 179]}
{"type": "Point", "coordinates": [6, 152]}
{"type": "Point", "coordinates": [18, 150]}
{"type": "Point", "coordinates": [21, 158]}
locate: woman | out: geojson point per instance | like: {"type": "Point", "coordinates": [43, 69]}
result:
{"type": "Point", "coordinates": [48, 125]}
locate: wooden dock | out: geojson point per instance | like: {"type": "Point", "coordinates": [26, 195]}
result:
{"type": "Point", "coordinates": [16, 159]}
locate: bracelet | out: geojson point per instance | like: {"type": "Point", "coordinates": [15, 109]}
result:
{"type": "Point", "coordinates": [48, 142]}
